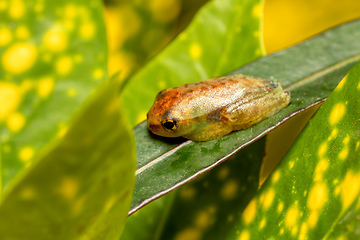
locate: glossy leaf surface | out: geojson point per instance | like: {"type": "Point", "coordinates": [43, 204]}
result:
{"type": "Point", "coordinates": [314, 192]}
{"type": "Point", "coordinates": [310, 71]}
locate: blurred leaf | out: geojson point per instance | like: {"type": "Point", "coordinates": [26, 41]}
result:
{"type": "Point", "coordinates": [300, 18]}
{"type": "Point", "coordinates": [209, 206]}
{"type": "Point", "coordinates": [151, 219]}
{"type": "Point", "coordinates": [280, 140]}
{"type": "Point", "coordinates": [137, 30]}
{"type": "Point", "coordinates": [53, 54]}
{"type": "Point", "coordinates": [222, 36]}
{"type": "Point", "coordinates": [314, 193]}
{"type": "Point", "coordinates": [81, 187]}
{"type": "Point", "coordinates": [310, 71]}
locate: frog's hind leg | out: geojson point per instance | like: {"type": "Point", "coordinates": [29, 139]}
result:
{"type": "Point", "coordinates": [210, 132]}
{"type": "Point", "coordinates": [254, 108]}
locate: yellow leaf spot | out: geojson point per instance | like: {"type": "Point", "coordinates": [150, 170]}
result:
{"type": "Point", "coordinates": [187, 193]}
{"type": "Point", "coordinates": [62, 131]}
{"type": "Point", "coordinates": [22, 32]}
{"type": "Point", "coordinates": [268, 198]}
{"type": "Point", "coordinates": [25, 51]}
{"type": "Point", "coordinates": [9, 99]}
{"type": "Point", "coordinates": [70, 11]}
{"type": "Point", "coordinates": [317, 196]}
{"type": "Point", "coordinates": [350, 189]}
{"type": "Point", "coordinates": [244, 235]}
{"type": "Point", "coordinates": [87, 30]}
{"type": "Point", "coordinates": [291, 164]}
{"type": "Point", "coordinates": [229, 190]}
{"type": "Point", "coordinates": [257, 10]}
{"type": "Point", "coordinates": [15, 122]}
{"type": "Point", "coordinates": [275, 176]}
{"type": "Point", "coordinates": [341, 84]}
{"type": "Point", "coordinates": [249, 212]}
{"type": "Point", "coordinates": [342, 237]}
{"type": "Point", "coordinates": [320, 169]}
{"type": "Point", "coordinates": [109, 203]}
{"type": "Point", "coordinates": [280, 207]}
{"type": "Point", "coordinates": [55, 39]}
{"type": "Point", "coordinates": [337, 113]}
{"type": "Point", "coordinates": [292, 217]}
{"type": "Point", "coordinates": [17, 9]}
{"type": "Point", "coordinates": [223, 173]}
{"type": "Point", "coordinates": [343, 153]}
{"type": "Point", "coordinates": [322, 149]}
{"type": "Point", "coordinates": [5, 35]}
{"type": "Point", "coordinates": [262, 223]}
{"type": "Point", "coordinates": [346, 139]}
{"type": "Point", "coordinates": [27, 193]}
{"type": "Point", "coordinates": [68, 188]}
{"type": "Point", "coordinates": [204, 219]}
{"type": "Point", "coordinates": [334, 134]}
{"type": "Point", "coordinates": [313, 218]}
{"type": "Point", "coordinates": [64, 65]}
{"type": "Point", "coordinates": [98, 73]}
{"type": "Point", "coordinates": [195, 51]}
{"type": "Point", "coordinates": [165, 11]}
{"type": "Point", "coordinates": [45, 86]}
{"type": "Point", "coordinates": [294, 230]}
{"type": "Point", "coordinates": [71, 92]}
{"type": "Point", "coordinates": [189, 234]}
{"type": "Point", "coordinates": [120, 62]}
{"type": "Point", "coordinates": [3, 4]}
{"type": "Point", "coordinates": [303, 232]}
{"type": "Point", "coordinates": [357, 146]}
{"type": "Point", "coordinates": [26, 153]}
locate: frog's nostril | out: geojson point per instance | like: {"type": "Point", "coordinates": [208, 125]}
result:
{"type": "Point", "coordinates": [154, 127]}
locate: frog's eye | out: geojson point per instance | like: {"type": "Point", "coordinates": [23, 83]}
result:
{"type": "Point", "coordinates": [169, 125]}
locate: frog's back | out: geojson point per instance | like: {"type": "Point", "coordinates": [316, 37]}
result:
{"type": "Point", "coordinates": [207, 96]}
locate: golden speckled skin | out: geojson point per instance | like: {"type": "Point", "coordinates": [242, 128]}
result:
{"type": "Point", "coordinates": [210, 109]}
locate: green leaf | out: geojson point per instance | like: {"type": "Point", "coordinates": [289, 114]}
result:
{"type": "Point", "coordinates": [210, 205]}
{"type": "Point", "coordinates": [52, 55]}
{"type": "Point", "coordinates": [314, 193]}
{"type": "Point", "coordinates": [80, 187]}
{"type": "Point", "coordinates": [310, 71]}
{"type": "Point", "coordinates": [223, 35]}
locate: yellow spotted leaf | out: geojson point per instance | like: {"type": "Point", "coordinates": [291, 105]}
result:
{"type": "Point", "coordinates": [317, 184]}
{"type": "Point", "coordinates": [52, 56]}
{"type": "Point", "coordinates": [81, 186]}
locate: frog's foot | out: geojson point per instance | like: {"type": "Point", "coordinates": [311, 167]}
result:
{"type": "Point", "coordinates": [210, 132]}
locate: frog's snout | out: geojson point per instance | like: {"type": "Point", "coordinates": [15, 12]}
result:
{"type": "Point", "coordinates": [153, 127]}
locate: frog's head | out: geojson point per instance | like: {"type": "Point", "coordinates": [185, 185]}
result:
{"type": "Point", "coordinates": [165, 118]}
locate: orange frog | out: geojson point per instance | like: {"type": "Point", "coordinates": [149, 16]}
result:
{"type": "Point", "coordinates": [210, 109]}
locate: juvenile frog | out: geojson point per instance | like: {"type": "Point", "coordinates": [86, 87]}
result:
{"type": "Point", "coordinates": [213, 108]}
